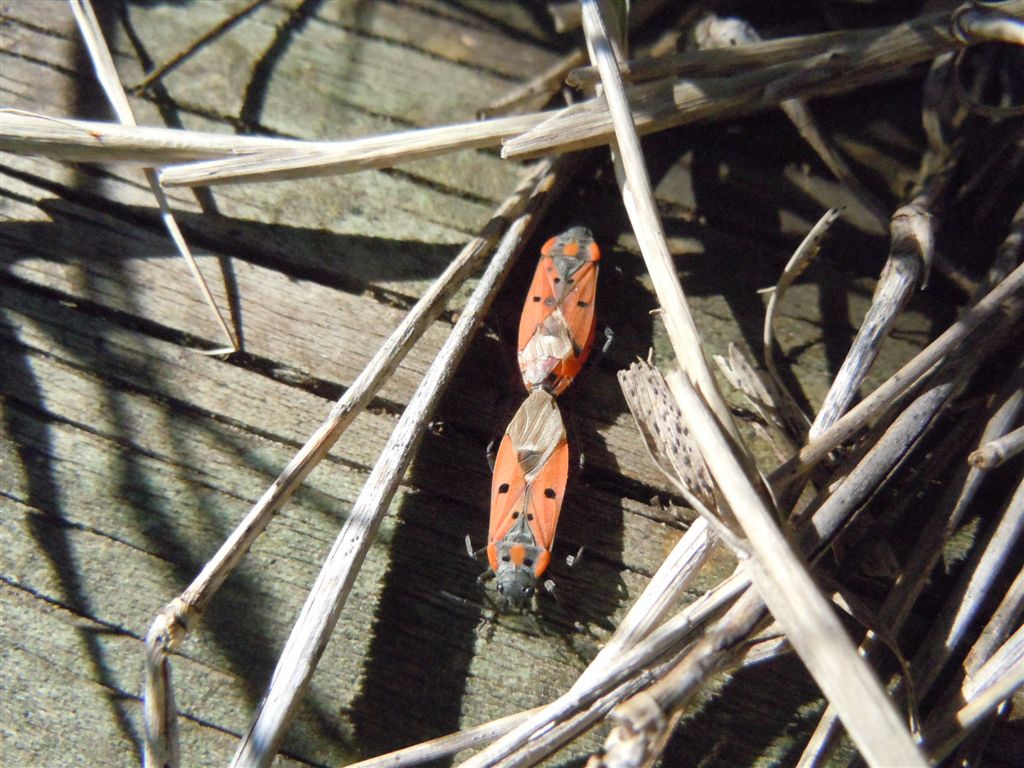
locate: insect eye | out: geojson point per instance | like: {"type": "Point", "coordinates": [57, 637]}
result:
{"type": "Point", "coordinates": [550, 493]}
{"type": "Point", "coordinates": [503, 488]}
{"type": "Point", "coordinates": [529, 591]}
{"type": "Point", "coordinates": [501, 588]}
{"type": "Point", "coordinates": [528, 563]}
{"type": "Point", "coordinates": [505, 558]}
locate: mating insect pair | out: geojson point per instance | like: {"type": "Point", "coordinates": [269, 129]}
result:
{"type": "Point", "coordinates": [556, 333]}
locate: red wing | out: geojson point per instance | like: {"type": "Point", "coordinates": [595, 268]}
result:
{"type": "Point", "coordinates": [507, 489]}
{"type": "Point", "coordinates": [540, 300]}
{"type": "Point", "coordinates": [546, 493]}
{"type": "Point", "coordinates": [577, 308]}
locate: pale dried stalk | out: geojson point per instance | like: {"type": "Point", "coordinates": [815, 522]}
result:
{"type": "Point", "coordinates": [910, 256]}
{"type": "Point", "coordinates": [726, 62]}
{"type": "Point", "coordinates": [638, 198]}
{"type": "Point", "coordinates": [106, 73]}
{"type": "Point", "coordinates": [997, 452]}
{"type": "Point", "coordinates": [1003, 619]}
{"type": "Point", "coordinates": [659, 105]}
{"type": "Point", "coordinates": [662, 593]}
{"type": "Point", "coordinates": [997, 680]}
{"type": "Point", "coordinates": [171, 626]}
{"type": "Point", "coordinates": [89, 141]}
{"type": "Point", "coordinates": [950, 629]}
{"type": "Point", "coordinates": [322, 159]}
{"type": "Point", "coordinates": [790, 593]}
{"type": "Point", "coordinates": [974, 24]}
{"type": "Point", "coordinates": [798, 262]}
{"type": "Point", "coordinates": [445, 746]}
{"type": "Point", "coordinates": [882, 398]}
{"type": "Point", "coordinates": [319, 615]}
{"type": "Point", "coordinates": [917, 571]}
{"type": "Point", "coordinates": [645, 722]}
{"type": "Point", "coordinates": [666, 640]}
{"type": "Point", "coordinates": [538, 90]}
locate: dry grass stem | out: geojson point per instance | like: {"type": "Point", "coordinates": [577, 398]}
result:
{"type": "Point", "coordinates": [725, 62]}
{"type": "Point", "coordinates": [539, 90]}
{"type": "Point", "coordinates": [883, 397]}
{"type": "Point", "coordinates": [332, 158]}
{"type": "Point", "coordinates": [106, 73]}
{"type": "Point", "coordinates": [323, 606]}
{"type": "Point", "coordinates": [997, 452]}
{"type": "Point", "coordinates": [802, 257]}
{"type": "Point", "coordinates": [664, 104]}
{"type": "Point", "coordinates": [89, 141]}
{"type": "Point", "coordinates": [975, 23]}
{"type": "Point", "coordinates": [877, 462]}
{"type": "Point", "coordinates": [950, 629]}
{"type": "Point", "coordinates": [644, 722]}
{"type": "Point", "coordinates": [446, 746]}
{"type": "Point", "coordinates": [662, 593]}
{"type": "Point", "coordinates": [171, 627]}
{"type": "Point", "coordinates": [796, 603]}
{"type": "Point", "coordinates": [638, 198]}
{"type": "Point", "coordinates": [910, 255]}
{"type": "Point", "coordinates": [1004, 618]}
{"type": "Point", "coordinates": [996, 681]}
{"type": "Point", "coordinates": [666, 640]}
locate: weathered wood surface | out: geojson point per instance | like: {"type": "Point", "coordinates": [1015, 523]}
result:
{"type": "Point", "coordinates": [128, 456]}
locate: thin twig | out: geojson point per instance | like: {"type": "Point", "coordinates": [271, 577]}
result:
{"type": "Point", "coordinates": [445, 746]}
{"type": "Point", "coordinates": [794, 600]}
{"type": "Point", "coordinates": [950, 629]}
{"type": "Point", "coordinates": [796, 265]}
{"type": "Point", "coordinates": [1004, 618]}
{"type": "Point", "coordinates": [324, 159]}
{"type": "Point", "coordinates": [995, 682]}
{"type": "Point", "coordinates": [663, 104]}
{"type": "Point", "coordinates": [638, 198]}
{"type": "Point", "coordinates": [858, 416]}
{"type": "Point", "coordinates": [910, 255]}
{"type": "Point", "coordinates": [312, 630]}
{"type": "Point", "coordinates": [917, 570]}
{"type": "Point", "coordinates": [539, 90]}
{"type": "Point", "coordinates": [90, 141]}
{"type": "Point", "coordinates": [103, 63]}
{"type": "Point", "coordinates": [997, 452]}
